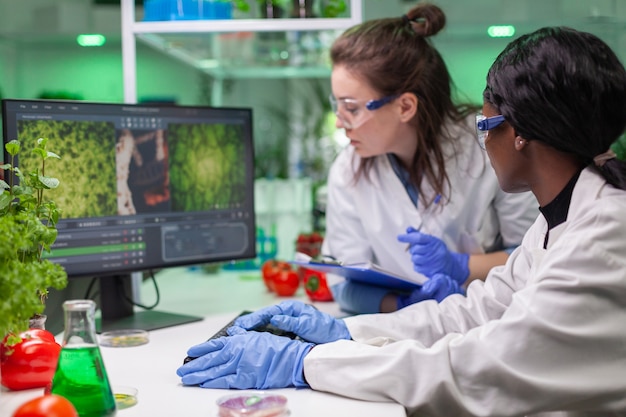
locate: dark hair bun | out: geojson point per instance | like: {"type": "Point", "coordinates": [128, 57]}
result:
{"type": "Point", "coordinates": [426, 19]}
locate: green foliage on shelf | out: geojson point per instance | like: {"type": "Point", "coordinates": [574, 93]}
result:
{"type": "Point", "coordinates": [333, 8]}
{"type": "Point", "coordinates": [328, 8]}
{"type": "Point", "coordinates": [244, 6]}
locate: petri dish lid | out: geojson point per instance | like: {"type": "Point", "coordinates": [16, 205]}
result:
{"type": "Point", "coordinates": [125, 397]}
{"type": "Point", "coordinates": [124, 338]}
{"type": "Point", "coordinates": [253, 404]}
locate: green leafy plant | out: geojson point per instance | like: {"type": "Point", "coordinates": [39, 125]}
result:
{"type": "Point", "coordinates": [241, 5]}
{"type": "Point", "coordinates": [244, 6]}
{"type": "Point", "coordinates": [28, 228]}
{"type": "Point", "coordinates": [328, 8]}
{"type": "Point", "coordinates": [333, 8]}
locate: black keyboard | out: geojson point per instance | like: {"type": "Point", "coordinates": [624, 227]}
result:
{"type": "Point", "coordinates": [268, 328]}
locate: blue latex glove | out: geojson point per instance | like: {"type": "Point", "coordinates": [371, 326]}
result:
{"type": "Point", "coordinates": [436, 288]}
{"type": "Point", "coordinates": [249, 360]}
{"type": "Point", "coordinates": [431, 256]}
{"type": "Point", "coordinates": [302, 319]}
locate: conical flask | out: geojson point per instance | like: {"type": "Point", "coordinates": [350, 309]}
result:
{"type": "Point", "coordinates": [80, 375]}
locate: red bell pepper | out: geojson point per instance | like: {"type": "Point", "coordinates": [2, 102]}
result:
{"type": "Point", "coordinates": [316, 286]}
{"type": "Point", "coordinates": [30, 363]}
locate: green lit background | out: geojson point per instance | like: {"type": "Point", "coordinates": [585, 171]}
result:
{"type": "Point", "coordinates": [32, 63]}
{"type": "Point", "coordinates": [40, 61]}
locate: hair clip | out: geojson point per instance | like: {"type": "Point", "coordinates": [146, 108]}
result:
{"type": "Point", "coordinates": [619, 148]}
{"type": "Point", "coordinates": [599, 160]}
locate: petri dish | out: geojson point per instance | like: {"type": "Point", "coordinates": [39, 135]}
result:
{"type": "Point", "coordinates": [253, 404]}
{"type": "Point", "coordinates": [124, 338]}
{"type": "Point", "coordinates": [125, 397]}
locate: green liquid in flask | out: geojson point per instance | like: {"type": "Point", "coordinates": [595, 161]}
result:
{"type": "Point", "coordinates": [81, 378]}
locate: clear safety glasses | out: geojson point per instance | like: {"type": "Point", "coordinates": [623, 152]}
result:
{"type": "Point", "coordinates": [353, 113]}
{"type": "Point", "coordinates": [484, 125]}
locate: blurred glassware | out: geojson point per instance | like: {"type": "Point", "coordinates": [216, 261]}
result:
{"type": "Point", "coordinates": [80, 375]}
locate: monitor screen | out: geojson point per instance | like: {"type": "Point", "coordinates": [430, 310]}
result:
{"type": "Point", "coordinates": [141, 188]}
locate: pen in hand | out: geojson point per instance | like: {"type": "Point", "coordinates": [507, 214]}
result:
{"type": "Point", "coordinates": [424, 218]}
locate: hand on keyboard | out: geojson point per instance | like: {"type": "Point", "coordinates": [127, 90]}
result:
{"type": "Point", "coordinates": [251, 360]}
{"type": "Point", "coordinates": [263, 328]}
{"type": "Point", "coordinates": [305, 320]}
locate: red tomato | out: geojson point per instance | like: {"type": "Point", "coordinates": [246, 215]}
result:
{"type": "Point", "coordinates": [286, 282]}
{"type": "Point", "coordinates": [309, 244]}
{"type": "Point", "coordinates": [270, 268]}
{"type": "Point", "coordinates": [315, 286]}
{"type": "Point", "coordinates": [267, 273]}
{"type": "Point", "coordinates": [47, 406]}
{"type": "Point", "coordinates": [32, 362]}
{"type": "Point", "coordinates": [316, 237]}
{"type": "Point", "coordinates": [302, 238]}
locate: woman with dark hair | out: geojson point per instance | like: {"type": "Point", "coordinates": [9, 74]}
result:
{"type": "Point", "coordinates": [542, 335]}
{"type": "Point", "coordinates": [413, 160]}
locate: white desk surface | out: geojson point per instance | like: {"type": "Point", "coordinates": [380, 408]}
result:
{"type": "Point", "coordinates": [151, 368]}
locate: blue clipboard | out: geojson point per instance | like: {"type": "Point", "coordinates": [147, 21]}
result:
{"type": "Point", "coordinates": [365, 274]}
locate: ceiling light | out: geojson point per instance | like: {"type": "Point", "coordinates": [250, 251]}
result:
{"type": "Point", "coordinates": [501, 31]}
{"type": "Point", "coordinates": [93, 39]}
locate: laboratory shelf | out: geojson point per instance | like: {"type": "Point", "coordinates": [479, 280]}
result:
{"type": "Point", "coordinates": [243, 25]}
{"type": "Point", "coordinates": [269, 72]}
{"type": "Point", "coordinates": [209, 54]}
{"type": "Point", "coordinates": [161, 35]}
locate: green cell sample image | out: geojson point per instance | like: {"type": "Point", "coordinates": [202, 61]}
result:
{"type": "Point", "coordinates": [206, 166]}
{"type": "Point", "coordinates": [86, 170]}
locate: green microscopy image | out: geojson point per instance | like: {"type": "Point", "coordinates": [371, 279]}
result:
{"type": "Point", "coordinates": [86, 170]}
{"type": "Point", "coordinates": [207, 167]}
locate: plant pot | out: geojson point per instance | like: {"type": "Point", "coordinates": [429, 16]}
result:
{"type": "Point", "coordinates": [271, 11]}
{"type": "Point", "coordinates": [302, 8]}
{"type": "Point", "coordinates": [38, 321]}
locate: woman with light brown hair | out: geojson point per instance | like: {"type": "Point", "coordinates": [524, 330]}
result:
{"type": "Point", "coordinates": [413, 163]}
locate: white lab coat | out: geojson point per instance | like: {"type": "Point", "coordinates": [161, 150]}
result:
{"type": "Point", "coordinates": [545, 332]}
{"type": "Point", "coordinates": [363, 219]}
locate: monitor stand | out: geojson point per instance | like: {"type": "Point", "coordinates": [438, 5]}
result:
{"type": "Point", "coordinates": [118, 312]}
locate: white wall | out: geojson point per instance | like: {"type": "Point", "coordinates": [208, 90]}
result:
{"type": "Point", "coordinates": [93, 73]}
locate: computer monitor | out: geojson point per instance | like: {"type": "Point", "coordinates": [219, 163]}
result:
{"type": "Point", "coordinates": [141, 188]}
